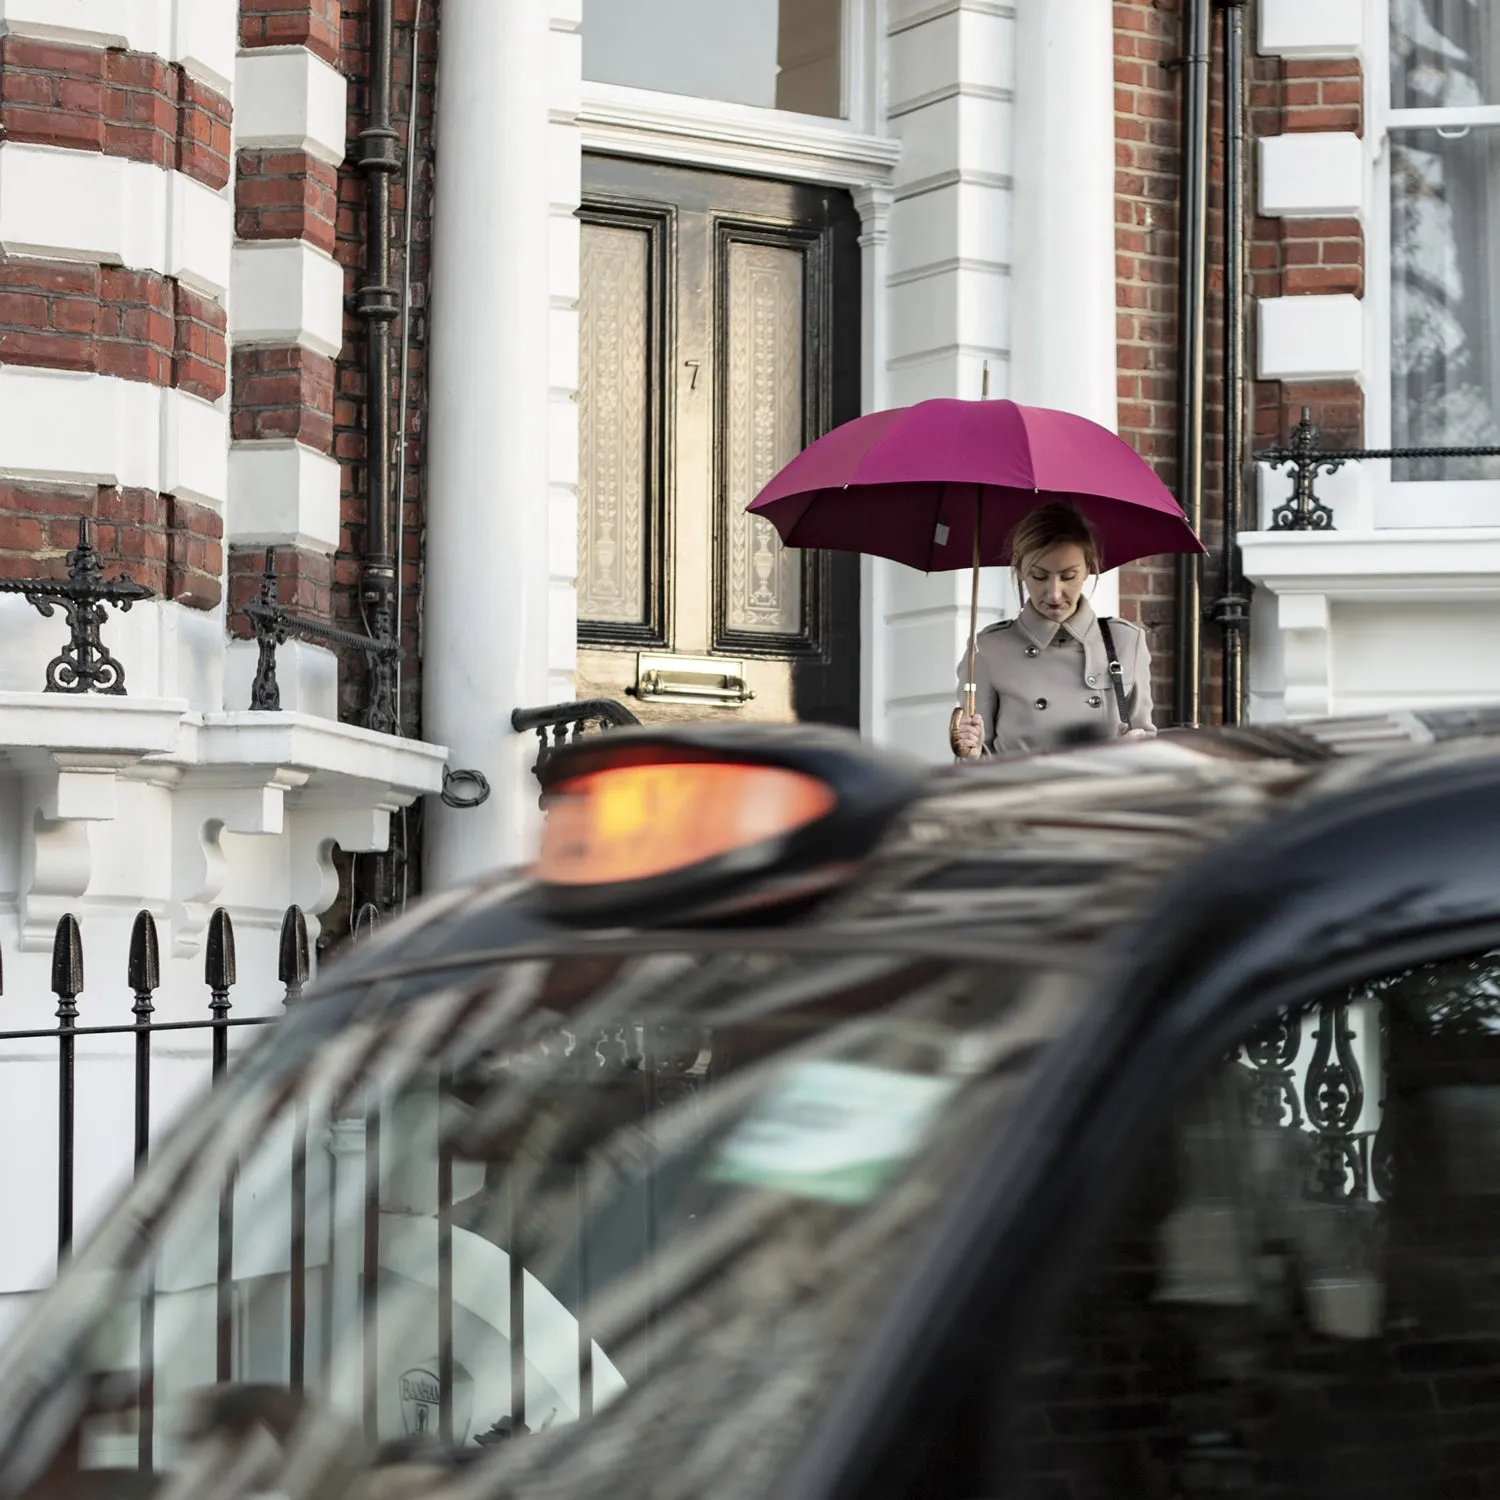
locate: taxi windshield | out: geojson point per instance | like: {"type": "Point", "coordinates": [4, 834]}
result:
{"type": "Point", "coordinates": [623, 1220]}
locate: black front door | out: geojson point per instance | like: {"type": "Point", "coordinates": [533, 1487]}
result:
{"type": "Point", "coordinates": [719, 335]}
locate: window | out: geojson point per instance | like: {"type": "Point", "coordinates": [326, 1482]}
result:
{"type": "Point", "coordinates": [776, 54]}
{"type": "Point", "coordinates": [1444, 203]}
{"type": "Point", "coordinates": [1296, 1295]}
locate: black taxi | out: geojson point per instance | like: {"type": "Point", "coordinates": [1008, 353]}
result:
{"type": "Point", "coordinates": [809, 1125]}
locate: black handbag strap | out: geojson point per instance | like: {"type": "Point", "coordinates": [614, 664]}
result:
{"type": "Point", "coordinates": [1116, 672]}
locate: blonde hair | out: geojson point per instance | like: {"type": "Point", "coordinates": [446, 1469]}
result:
{"type": "Point", "coordinates": [1051, 526]}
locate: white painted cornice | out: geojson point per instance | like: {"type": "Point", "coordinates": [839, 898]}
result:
{"type": "Point", "coordinates": [736, 138]}
{"type": "Point", "coordinates": [1452, 564]}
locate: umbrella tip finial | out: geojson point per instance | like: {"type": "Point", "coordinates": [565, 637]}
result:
{"type": "Point", "coordinates": [984, 390]}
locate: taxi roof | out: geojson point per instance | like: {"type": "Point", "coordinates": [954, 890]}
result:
{"type": "Point", "coordinates": [1070, 856]}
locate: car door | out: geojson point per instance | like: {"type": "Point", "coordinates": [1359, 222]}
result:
{"type": "Point", "coordinates": [1249, 1240]}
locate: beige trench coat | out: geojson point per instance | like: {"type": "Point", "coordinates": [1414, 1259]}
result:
{"type": "Point", "coordinates": [1037, 679]}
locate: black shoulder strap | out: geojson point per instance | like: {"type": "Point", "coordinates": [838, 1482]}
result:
{"type": "Point", "coordinates": [1116, 672]}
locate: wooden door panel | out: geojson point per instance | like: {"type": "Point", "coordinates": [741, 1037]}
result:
{"type": "Point", "coordinates": [719, 324]}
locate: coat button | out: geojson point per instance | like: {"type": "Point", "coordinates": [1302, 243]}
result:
{"type": "Point", "coordinates": [1041, 703]}
{"type": "Point", "coordinates": [1095, 700]}
{"type": "Point", "coordinates": [1092, 680]}
{"type": "Point", "coordinates": [1032, 651]}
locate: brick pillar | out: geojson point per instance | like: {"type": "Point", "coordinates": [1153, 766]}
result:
{"type": "Point", "coordinates": [113, 352]}
{"type": "Point", "coordinates": [289, 328]}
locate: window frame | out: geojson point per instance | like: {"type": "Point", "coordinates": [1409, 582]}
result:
{"type": "Point", "coordinates": [1428, 504]}
{"type": "Point", "coordinates": [859, 100]}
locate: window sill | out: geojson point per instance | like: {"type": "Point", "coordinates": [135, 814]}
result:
{"type": "Point", "coordinates": [1410, 564]}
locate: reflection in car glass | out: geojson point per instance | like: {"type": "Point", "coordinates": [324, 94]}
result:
{"type": "Point", "coordinates": [582, 1210]}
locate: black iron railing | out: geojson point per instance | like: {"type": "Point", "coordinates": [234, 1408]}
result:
{"type": "Point", "coordinates": [560, 724]}
{"type": "Point", "coordinates": [143, 979]}
{"type": "Point", "coordinates": [1302, 510]}
{"type": "Point", "coordinates": [85, 597]}
{"type": "Point", "coordinates": [275, 623]}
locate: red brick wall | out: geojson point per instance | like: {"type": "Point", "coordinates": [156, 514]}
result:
{"type": "Point", "coordinates": [1149, 43]}
{"type": "Point", "coordinates": [1147, 36]}
{"type": "Point", "coordinates": [313, 24]}
{"type": "Point", "coordinates": [285, 195]}
{"type": "Point", "coordinates": [120, 103]}
{"type": "Point", "coordinates": [106, 320]}
{"type": "Point", "coordinates": [349, 398]}
{"type": "Point", "coordinates": [172, 546]}
{"type": "Point", "coordinates": [62, 315]}
{"type": "Point", "coordinates": [1303, 257]}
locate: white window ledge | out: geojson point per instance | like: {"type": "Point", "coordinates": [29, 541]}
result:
{"type": "Point", "coordinates": [1412, 565]}
{"type": "Point", "coordinates": [119, 804]}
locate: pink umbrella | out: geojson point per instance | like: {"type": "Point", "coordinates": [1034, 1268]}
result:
{"type": "Point", "coordinates": [942, 484]}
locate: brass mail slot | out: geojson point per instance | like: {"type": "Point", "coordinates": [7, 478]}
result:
{"type": "Point", "coordinates": [691, 679]}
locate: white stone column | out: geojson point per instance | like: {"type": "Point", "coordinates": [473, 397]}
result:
{"type": "Point", "coordinates": [487, 562]}
{"type": "Point", "coordinates": [1063, 262]}
{"type": "Point", "coordinates": [1064, 321]}
{"type": "Point", "coordinates": [948, 299]}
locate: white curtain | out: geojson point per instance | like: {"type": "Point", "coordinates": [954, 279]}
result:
{"type": "Point", "coordinates": [1445, 238]}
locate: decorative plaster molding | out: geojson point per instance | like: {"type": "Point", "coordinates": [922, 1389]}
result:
{"type": "Point", "coordinates": [736, 138]}
{"type": "Point", "coordinates": [200, 871]}
{"type": "Point", "coordinates": [873, 203]}
{"type": "Point", "coordinates": [1306, 657]}
{"type": "Point", "coordinates": [69, 754]}
{"type": "Point", "coordinates": [277, 776]}
{"type": "Point", "coordinates": [57, 865]}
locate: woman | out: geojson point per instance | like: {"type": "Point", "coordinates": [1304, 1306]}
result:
{"type": "Point", "coordinates": [1048, 671]}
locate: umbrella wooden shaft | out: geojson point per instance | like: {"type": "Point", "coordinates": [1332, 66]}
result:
{"type": "Point", "coordinates": [971, 688]}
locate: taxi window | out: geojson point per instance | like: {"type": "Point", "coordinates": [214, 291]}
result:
{"type": "Point", "coordinates": [621, 1221]}
{"type": "Point", "coordinates": [1299, 1294]}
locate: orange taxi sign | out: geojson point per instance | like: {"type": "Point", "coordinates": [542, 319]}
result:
{"type": "Point", "coordinates": [634, 822]}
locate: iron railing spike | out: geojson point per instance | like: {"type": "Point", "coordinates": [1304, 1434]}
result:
{"type": "Point", "coordinates": [219, 966]}
{"type": "Point", "coordinates": [144, 968]}
{"type": "Point", "coordinates": [294, 956]}
{"type": "Point", "coordinates": [67, 959]}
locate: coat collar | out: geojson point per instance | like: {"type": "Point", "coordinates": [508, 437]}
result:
{"type": "Point", "coordinates": [1042, 631]}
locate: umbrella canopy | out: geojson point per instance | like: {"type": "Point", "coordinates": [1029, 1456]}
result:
{"type": "Point", "coordinates": [903, 484]}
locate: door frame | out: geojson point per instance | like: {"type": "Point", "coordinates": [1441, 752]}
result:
{"type": "Point", "coordinates": [854, 154]}
{"type": "Point", "coordinates": [726, 210]}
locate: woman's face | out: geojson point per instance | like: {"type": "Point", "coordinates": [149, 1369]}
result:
{"type": "Point", "coordinates": [1055, 579]}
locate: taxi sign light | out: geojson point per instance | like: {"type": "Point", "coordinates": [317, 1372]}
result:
{"type": "Point", "coordinates": [634, 822]}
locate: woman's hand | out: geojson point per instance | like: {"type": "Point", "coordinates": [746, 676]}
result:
{"type": "Point", "coordinates": [970, 737]}
{"type": "Point", "coordinates": [1135, 734]}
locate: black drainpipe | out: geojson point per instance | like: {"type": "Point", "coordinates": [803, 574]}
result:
{"type": "Point", "coordinates": [1192, 291]}
{"type": "Point", "coordinates": [1231, 608]}
{"type": "Point", "coordinates": [379, 161]}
